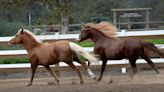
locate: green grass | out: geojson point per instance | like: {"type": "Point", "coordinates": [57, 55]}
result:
{"type": "Point", "coordinates": [14, 61]}
{"type": "Point", "coordinates": [156, 41]}
{"type": "Point", "coordinates": [85, 44]}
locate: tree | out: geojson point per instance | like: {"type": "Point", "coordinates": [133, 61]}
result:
{"type": "Point", "coordinates": [61, 8]}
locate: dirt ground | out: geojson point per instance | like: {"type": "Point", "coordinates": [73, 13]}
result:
{"type": "Point", "coordinates": [147, 81]}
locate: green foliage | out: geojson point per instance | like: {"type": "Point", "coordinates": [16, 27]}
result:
{"type": "Point", "coordinates": [49, 11]}
{"type": "Point", "coordinates": [9, 28]}
{"type": "Point", "coordinates": [99, 19]}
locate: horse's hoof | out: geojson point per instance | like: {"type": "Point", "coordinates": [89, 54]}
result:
{"type": "Point", "coordinates": [51, 83]}
{"type": "Point", "coordinates": [94, 78]}
{"type": "Point", "coordinates": [82, 82]}
{"type": "Point", "coordinates": [157, 72]}
{"type": "Point", "coordinates": [111, 81]}
{"type": "Point", "coordinates": [74, 83]}
{"type": "Point", "coordinates": [58, 83]}
{"type": "Point", "coordinates": [29, 84]}
{"type": "Point", "coordinates": [159, 75]}
{"type": "Point", "coordinates": [99, 79]}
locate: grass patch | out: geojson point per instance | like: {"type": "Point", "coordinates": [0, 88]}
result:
{"type": "Point", "coordinates": [156, 41]}
{"type": "Point", "coordinates": [13, 61]}
{"type": "Point", "coordinates": [85, 44]}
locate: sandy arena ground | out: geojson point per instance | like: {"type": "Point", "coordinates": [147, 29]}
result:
{"type": "Point", "coordinates": [146, 81]}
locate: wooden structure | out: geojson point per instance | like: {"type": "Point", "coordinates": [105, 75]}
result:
{"type": "Point", "coordinates": [132, 13]}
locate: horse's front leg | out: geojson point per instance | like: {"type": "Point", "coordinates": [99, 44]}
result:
{"type": "Point", "coordinates": [33, 69]}
{"type": "Point", "coordinates": [102, 68]}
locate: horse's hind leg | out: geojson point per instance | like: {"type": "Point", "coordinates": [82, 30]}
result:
{"type": "Point", "coordinates": [150, 63]}
{"type": "Point", "coordinates": [102, 68]}
{"type": "Point", "coordinates": [77, 71]}
{"type": "Point", "coordinates": [51, 72]}
{"type": "Point", "coordinates": [133, 65]}
{"type": "Point", "coordinates": [91, 74]}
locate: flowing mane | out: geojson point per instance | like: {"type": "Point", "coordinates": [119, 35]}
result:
{"type": "Point", "coordinates": [29, 33]}
{"type": "Point", "coordinates": [105, 27]}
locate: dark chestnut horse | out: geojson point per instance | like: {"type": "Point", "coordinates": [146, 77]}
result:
{"type": "Point", "coordinates": [110, 47]}
{"type": "Point", "coordinates": [51, 53]}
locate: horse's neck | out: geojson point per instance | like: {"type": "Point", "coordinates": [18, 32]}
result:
{"type": "Point", "coordinates": [98, 37]}
{"type": "Point", "coordinates": [30, 44]}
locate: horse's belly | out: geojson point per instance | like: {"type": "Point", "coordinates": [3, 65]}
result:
{"type": "Point", "coordinates": [116, 56]}
{"type": "Point", "coordinates": [48, 60]}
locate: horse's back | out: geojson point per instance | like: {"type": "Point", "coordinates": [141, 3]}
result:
{"type": "Point", "coordinates": [122, 48]}
{"type": "Point", "coordinates": [51, 53]}
{"type": "Point", "coordinates": [62, 49]}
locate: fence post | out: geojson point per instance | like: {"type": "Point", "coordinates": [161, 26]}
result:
{"type": "Point", "coordinates": [129, 25]}
{"type": "Point", "coordinates": [124, 70]}
{"type": "Point", "coordinates": [57, 35]}
{"type": "Point", "coordinates": [57, 71]}
{"type": "Point", "coordinates": [123, 32]}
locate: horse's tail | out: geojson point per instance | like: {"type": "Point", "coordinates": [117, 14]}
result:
{"type": "Point", "coordinates": [153, 48]}
{"type": "Point", "coordinates": [80, 51]}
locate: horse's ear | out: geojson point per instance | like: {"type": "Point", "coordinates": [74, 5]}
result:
{"type": "Point", "coordinates": [21, 31]}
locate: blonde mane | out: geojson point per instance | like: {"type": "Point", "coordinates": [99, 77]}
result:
{"type": "Point", "coordinates": [30, 34]}
{"type": "Point", "coordinates": [105, 27]}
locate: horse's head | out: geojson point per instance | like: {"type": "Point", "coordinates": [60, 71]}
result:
{"type": "Point", "coordinates": [18, 38]}
{"type": "Point", "coordinates": [85, 33]}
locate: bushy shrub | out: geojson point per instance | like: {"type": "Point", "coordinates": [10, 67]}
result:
{"type": "Point", "coordinates": [9, 28]}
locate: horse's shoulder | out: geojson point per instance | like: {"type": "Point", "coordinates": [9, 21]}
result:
{"type": "Point", "coordinates": [32, 56]}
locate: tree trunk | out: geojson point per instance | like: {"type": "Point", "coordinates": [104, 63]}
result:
{"type": "Point", "coordinates": [64, 22]}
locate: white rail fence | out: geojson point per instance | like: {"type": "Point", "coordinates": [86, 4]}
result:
{"type": "Point", "coordinates": [123, 33]}
{"type": "Point", "coordinates": [23, 53]}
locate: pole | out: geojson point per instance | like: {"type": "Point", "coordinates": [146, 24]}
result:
{"type": "Point", "coordinates": [29, 19]}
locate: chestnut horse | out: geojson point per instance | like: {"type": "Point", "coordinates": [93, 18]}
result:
{"type": "Point", "coordinates": [110, 47]}
{"type": "Point", "coordinates": [51, 53]}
